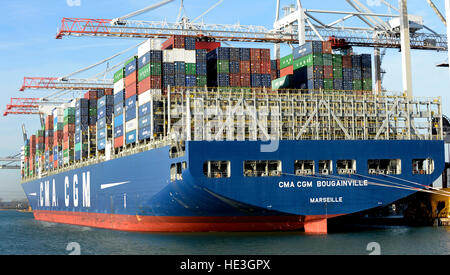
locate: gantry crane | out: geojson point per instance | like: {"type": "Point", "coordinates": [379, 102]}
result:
{"type": "Point", "coordinates": [402, 31]}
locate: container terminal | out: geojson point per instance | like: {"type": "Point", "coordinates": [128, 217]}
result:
{"type": "Point", "coordinates": [192, 134]}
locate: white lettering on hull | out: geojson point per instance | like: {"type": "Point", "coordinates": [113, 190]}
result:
{"type": "Point", "coordinates": [48, 193]}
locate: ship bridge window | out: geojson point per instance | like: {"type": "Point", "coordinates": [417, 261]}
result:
{"type": "Point", "coordinates": [262, 168]}
{"type": "Point", "coordinates": [325, 167]}
{"type": "Point", "coordinates": [217, 169]}
{"type": "Point", "coordinates": [384, 166]}
{"type": "Point", "coordinates": [177, 150]}
{"type": "Point", "coordinates": [423, 166]}
{"type": "Point", "coordinates": [345, 167]}
{"type": "Point", "coordinates": [176, 171]}
{"type": "Point", "coordinates": [304, 167]}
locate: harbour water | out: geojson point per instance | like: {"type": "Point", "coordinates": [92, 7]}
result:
{"type": "Point", "coordinates": [22, 235]}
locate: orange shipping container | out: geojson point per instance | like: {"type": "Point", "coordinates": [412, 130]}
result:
{"type": "Point", "coordinates": [287, 71]}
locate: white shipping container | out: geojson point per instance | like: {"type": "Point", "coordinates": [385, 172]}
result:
{"type": "Point", "coordinates": [168, 56]}
{"type": "Point", "coordinates": [144, 97]}
{"type": "Point", "coordinates": [189, 56]}
{"type": "Point", "coordinates": [150, 44]}
{"type": "Point", "coordinates": [178, 55]}
{"type": "Point", "coordinates": [156, 92]}
{"type": "Point", "coordinates": [131, 125]}
{"type": "Point", "coordinates": [119, 86]}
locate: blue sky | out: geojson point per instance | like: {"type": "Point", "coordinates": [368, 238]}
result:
{"type": "Point", "coordinates": [28, 48]}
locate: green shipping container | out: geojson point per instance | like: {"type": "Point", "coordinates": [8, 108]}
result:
{"type": "Point", "coordinates": [149, 70]}
{"type": "Point", "coordinates": [337, 60]}
{"type": "Point", "coordinates": [367, 84]}
{"type": "Point", "coordinates": [191, 69]}
{"type": "Point", "coordinates": [69, 112]}
{"type": "Point", "coordinates": [69, 120]}
{"type": "Point", "coordinates": [286, 61]}
{"type": "Point", "coordinates": [119, 75]}
{"type": "Point", "coordinates": [337, 72]}
{"type": "Point", "coordinates": [327, 59]}
{"type": "Point", "coordinates": [308, 61]}
{"type": "Point", "coordinates": [93, 111]}
{"type": "Point", "coordinates": [69, 153]}
{"type": "Point", "coordinates": [144, 72]}
{"type": "Point", "coordinates": [223, 67]}
{"type": "Point", "coordinates": [155, 69]}
{"type": "Point", "coordinates": [282, 83]}
{"type": "Point", "coordinates": [59, 126]}
{"type": "Point", "coordinates": [81, 146]}
{"type": "Point", "coordinates": [202, 80]}
{"type": "Point", "coordinates": [328, 84]}
{"type": "Point", "coordinates": [357, 85]}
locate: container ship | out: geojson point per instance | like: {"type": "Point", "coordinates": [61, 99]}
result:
{"type": "Point", "coordinates": [196, 137]}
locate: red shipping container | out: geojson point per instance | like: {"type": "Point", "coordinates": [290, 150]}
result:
{"type": "Point", "coordinates": [265, 55]}
{"type": "Point", "coordinates": [69, 128]}
{"type": "Point", "coordinates": [287, 71]}
{"type": "Point", "coordinates": [278, 64]}
{"type": "Point", "coordinates": [235, 80]}
{"type": "Point", "coordinates": [175, 41]}
{"type": "Point", "coordinates": [326, 47]}
{"type": "Point", "coordinates": [208, 46]}
{"type": "Point", "coordinates": [40, 140]}
{"type": "Point", "coordinates": [347, 61]}
{"type": "Point", "coordinates": [255, 54]}
{"type": "Point", "coordinates": [49, 122]}
{"type": "Point", "coordinates": [91, 95]}
{"type": "Point", "coordinates": [151, 82]}
{"type": "Point", "coordinates": [179, 41]}
{"type": "Point", "coordinates": [327, 71]}
{"type": "Point", "coordinates": [265, 67]}
{"type": "Point", "coordinates": [131, 79]}
{"type": "Point", "coordinates": [255, 67]}
{"type": "Point", "coordinates": [33, 141]}
{"type": "Point", "coordinates": [118, 142]}
{"type": "Point", "coordinates": [245, 80]}
{"type": "Point", "coordinates": [130, 90]}
{"type": "Point", "coordinates": [109, 92]}
{"type": "Point", "coordinates": [244, 67]}
{"type": "Point", "coordinates": [55, 164]}
{"type": "Point", "coordinates": [168, 44]}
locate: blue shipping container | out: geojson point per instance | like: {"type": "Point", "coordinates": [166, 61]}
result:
{"type": "Point", "coordinates": [144, 133]}
{"type": "Point", "coordinates": [119, 97]}
{"type": "Point", "coordinates": [144, 109]}
{"type": "Point", "coordinates": [130, 137]}
{"type": "Point", "coordinates": [118, 131]}
{"type": "Point", "coordinates": [101, 144]}
{"type": "Point", "coordinates": [144, 121]}
{"type": "Point", "coordinates": [130, 114]}
{"type": "Point", "coordinates": [118, 120]}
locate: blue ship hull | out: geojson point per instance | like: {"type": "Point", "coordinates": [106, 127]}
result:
{"type": "Point", "coordinates": [136, 193]}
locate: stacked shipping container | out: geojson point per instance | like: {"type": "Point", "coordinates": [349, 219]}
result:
{"type": "Point", "coordinates": [119, 104]}
{"type": "Point", "coordinates": [239, 67]}
{"type": "Point", "coordinates": [131, 77]}
{"type": "Point", "coordinates": [314, 67]}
